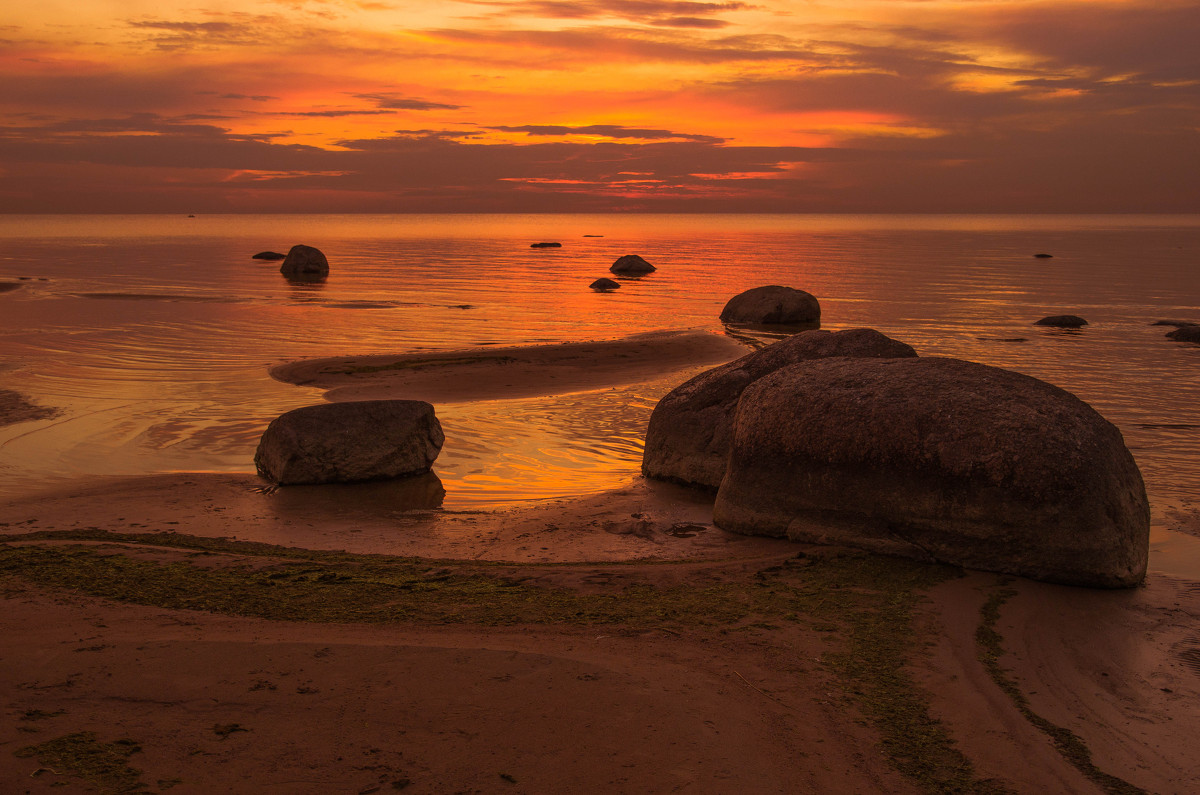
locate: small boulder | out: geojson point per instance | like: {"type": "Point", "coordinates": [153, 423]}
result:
{"type": "Point", "coordinates": [1185, 334]}
{"type": "Point", "coordinates": [938, 459]}
{"type": "Point", "coordinates": [604, 284]}
{"type": "Point", "coordinates": [772, 304]}
{"type": "Point", "coordinates": [632, 265]}
{"type": "Point", "coordinates": [1062, 321]}
{"type": "Point", "coordinates": [545, 245]}
{"type": "Point", "coordinates": [690, 430]}
{"type": "Point", "coordinates": [272, 256]}
{"type": "Point", "coordinates": [304, 262]}
{"type": "Point", "coordinates": [350, 442]}
{"type": "Point", "coordinates": [1043, 256]}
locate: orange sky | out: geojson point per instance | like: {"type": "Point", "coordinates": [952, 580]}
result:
{"type": "Point", "coordinates": [596, 105]}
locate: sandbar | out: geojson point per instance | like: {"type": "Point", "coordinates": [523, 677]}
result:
{"type": "Point", "coordinates": [493, 373]}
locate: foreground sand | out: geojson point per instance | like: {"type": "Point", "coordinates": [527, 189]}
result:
{"type": "Point", "coordinates": [616, 642]}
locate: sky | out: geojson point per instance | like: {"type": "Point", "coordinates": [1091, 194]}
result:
{"type": "Point", "coordinates": [600, 106]}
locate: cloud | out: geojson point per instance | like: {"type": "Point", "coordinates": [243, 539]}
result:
{"type": "Point", "coordinates": [607, 131]}
{"type": "Point", "coordinates": [394, 102]}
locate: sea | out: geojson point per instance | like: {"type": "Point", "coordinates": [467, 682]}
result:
{"type": "Point", "coordinates": [152, 335]}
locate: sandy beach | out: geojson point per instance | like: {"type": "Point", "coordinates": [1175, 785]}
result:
{"type": "Point", "coordinates": [206, 633]}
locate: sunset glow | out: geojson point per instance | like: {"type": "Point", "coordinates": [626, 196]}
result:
{"type": "Point", "coordinates": [543, 105]}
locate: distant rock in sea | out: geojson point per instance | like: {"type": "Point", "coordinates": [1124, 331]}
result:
{"type": "Point", "coordinates": [305, 263]}
{"type": "Point", "coordinates": [1043, 256]}
{"type": "Point", "coordinates": [937, 459]}
{"type": "Point", "coordinates": [604, 284]}
{"type": "Point", "coordinates": [350, 442]}
{"type": "Point", "coordinates": [593, 235]}
{"type": "Point", "coordinates": [690, 430]}
{"type": "Point", "coordinates": [632, 265]}
{"type": "Point", "coordinates": [6, 287]}
{"type": "Point", "coordinates": [269, 255]}
{"type": "Point", "coordinates": [1062, 321]}
{"type": "Point", "coordinates": [1185, 334]}
{"type": "Point", "coordinates": [1175, 323]}
{"type": "Point", "coordinates": [545, 245]}
{"type": "Point", "coordinates": [772, 304]}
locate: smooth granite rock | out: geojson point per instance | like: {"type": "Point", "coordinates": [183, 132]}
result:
{"type": "Point", "coordinates": [938, 459]}
{"type": "Point", "coordinates": [605, 284]}
{"type": "Point", "coordinates": [632, 265]}
{"type": "Point", "coordinates": [772, 304]}
{"type": "Point", "coordinates": [350, 442]}
{"type": "Point", "coordinates": [690, 430]}
{"type": "Point", "coordinates": [305, 262]}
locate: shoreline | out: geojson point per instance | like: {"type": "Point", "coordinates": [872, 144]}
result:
{"type": "Point", "coordinates": [463, 690]}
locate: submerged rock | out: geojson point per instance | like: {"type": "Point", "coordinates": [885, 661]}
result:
{"type": "Point", "coordinates": [632, 265]}
{"type": "Point", "coordinates": [269, 255]}
{"type": "Point", "coordinates": [1043, 256]}
{"type": "Point", "coordinates": [350, 442]}
{"type": "Point", "coordinates": [690, 430]}
{"type": "Point", "coordinates": [938, 459]}
{"type": "Point", "coordinates": [8, 287]}
{"type": "Point", "coordinates": [1062, 321]}
{"type": "Point", "coordinates": [545, 245]}
{"type": "Point", "coordinates": [1185, 334]}
{"type": "Point", "coordinates": [305, 262]}
{"type": "Point", "coordinates": [772, 304]}
{"type": "Point", "coordinates": [604, 284]}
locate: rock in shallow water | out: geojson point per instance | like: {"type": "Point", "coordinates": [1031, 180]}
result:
{"type": "Point", "coordinates": [938, 459]}
{"type": "Point", "coordinates": [1062, 321]}
{"type": "Point", "coordinates": [305, 262]}
{"type": "Point", "coordinates": [350, 442]}
{"type": "Point", "coordinates": [1185, 334]}
{"type": "Point", "coordinates": [632, 265]}
{"type": "Point", "coordinates": [772, 304]}
{"type": "Point", "coordinates": [689, 434]}
{"type": "Point", "coordinates": [605, 284]}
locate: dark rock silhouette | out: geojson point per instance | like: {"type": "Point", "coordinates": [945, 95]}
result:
{"type": "Point", "coordinates": [772, 304]}
{"type": "Point", "coordinates": [632, 265]}
{"type": "Point", "coordinates": [604, 284]}
{"type": "Point", "coordinates": [272, 256]}
{"type": "Point", "coordinates": [690, 430]}
{"type": "Point", "coordinates": [938, 459]}
{"type": "Point", "coordinates": [350, 442]}
{"type": "Point", "coordinates": [545, 245]}
{"type": "Point", "coordinates": [1185, 334]}
{"type": "Point", "coordinates": [1062, 321]}
{"type": "Point", "coordinates": [1043, 256]}
{"type": "Point", "coordinates": [1175, 323]}
{"type": "Point", "coordinates": [304, 263]}
{"type": "Point", "coordinates": [6, 287]}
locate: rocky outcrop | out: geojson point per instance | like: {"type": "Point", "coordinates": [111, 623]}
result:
{"type": "Point", "coordinates": [690, 430]}
{"type": "Point", "coordinates": [350, 442]}
{"type": "Point", "coordinates": [305, 263]}
{"type": "Point", "coordinates": [604, 284]}
{"type": "Point", "coordinates": [1185, 334]}
{"type": "Point", "coordinates": [632, 265]}
{"type": "Point", "coordinates": [772, 304]}
{"type": "Point", "coordinates": [1062, 321]}
{"type": "Point", "coordinates": [270, 256]}
{"type": "Point", "coordinates": [938, 459]}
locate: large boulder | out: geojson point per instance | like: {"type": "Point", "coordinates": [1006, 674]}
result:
{"type": "Point", "coordinates": [631, 265]}
{"type": "Point", "coordinates": [938, 459]}
{"type": "Point", "coordinates": [772, 304]}
{"type": "Point", "coordinates": [690, 430]}
{"type": "Point", "coordinates": [350, 442]}
{"type": "Point", "coordinates": [304, 262]}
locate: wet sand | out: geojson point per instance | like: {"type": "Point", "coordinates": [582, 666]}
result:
{"type": "Point", "coordinates": [15, 407]}
{"type": "Point", "coordinates": [221, 700]}
{"type": "Point", "coordinates": [496, 373]}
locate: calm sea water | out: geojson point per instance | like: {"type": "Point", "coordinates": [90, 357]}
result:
{"type": "Point", "coordinates": [153, 334]}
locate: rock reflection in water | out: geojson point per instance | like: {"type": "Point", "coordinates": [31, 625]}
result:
{"type": "Point", "coordinates": [374, 498]}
